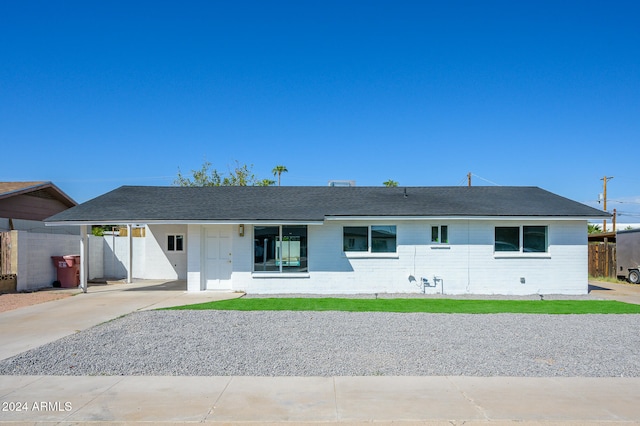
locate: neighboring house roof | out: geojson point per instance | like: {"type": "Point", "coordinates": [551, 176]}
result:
{"type": "Point", "coordinates": [32, 200]}
{"type": "Point", "coordinates": [39, 189]}
{"type": "Point", "coordinates": [9, 187]}
{"type": "Point", "coordinates": [149, 204]}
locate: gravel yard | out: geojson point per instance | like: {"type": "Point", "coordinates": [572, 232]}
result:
{"type": "Point", "coordinates": [11, 301]}
{"type": "Point", "coordinates": [262, 343]}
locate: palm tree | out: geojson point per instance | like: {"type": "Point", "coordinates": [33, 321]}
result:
{"type": "Point", "coordinates": [278, 170]}
{"type": "Point", "coordinates": [390, 183]}
{"type": "Point", "coordinates": [593, 229]}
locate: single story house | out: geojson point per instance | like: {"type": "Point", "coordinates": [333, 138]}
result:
{"type": "Point", "coordinates": [26, 244]}
{"type": "Point", "coordinates": [30, 201]}
{"type": "Point", "coordinates": [330, 240]}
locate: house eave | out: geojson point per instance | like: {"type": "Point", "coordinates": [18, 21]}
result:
{"type": "Point", "coordinates": [312, 222]}
{"type": "Point", "coordinates": [458, 218]}
{"type": "Point", "coordinates": [182, 222]}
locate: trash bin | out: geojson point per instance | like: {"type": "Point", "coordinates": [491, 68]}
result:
{"type": "Point", "coordinates": [68, 270]}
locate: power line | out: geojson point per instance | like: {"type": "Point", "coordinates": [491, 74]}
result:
{"type": "Point", "coordinates": [486, 180]}
{"type": "Point", "coordinates": [467, 179]}
{"type": "Point", "coordinates": [624, 202]}
{"type": "Point", "coordinates": [632, 214]}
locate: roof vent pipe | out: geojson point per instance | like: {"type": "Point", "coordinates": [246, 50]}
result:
{"type": "Point", "coordinates": [342, 183]}
{"type": "Point", "coordinates": [405, 193]}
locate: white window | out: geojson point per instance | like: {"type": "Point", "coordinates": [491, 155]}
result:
{"type": "Point", "coordinates": [175, 242]}
{"type": "Point", "coordinates": [370, 239]}
{"type": "Point", "coordinates": [440, 234]}
{"type": "Point", "coordinates": [534, 239]}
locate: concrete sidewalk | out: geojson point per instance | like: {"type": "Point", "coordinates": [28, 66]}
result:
{"type": "Point", "coordinates": [274, 400]}
{"type": "Point", "coordinates": [310, 400]}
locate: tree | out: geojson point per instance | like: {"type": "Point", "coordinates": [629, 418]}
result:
{"type": "Point", "coordinates": [593, 229]}
{"type": "Point", "coordinates": [390, 183]}
{"type": "Point", "coordinates": [265, 182]}
{"type": "Point", "coordinates": [202, 177]}
{"type": "Point", "coordinates": [98, 230]}
{"type": "Point", "coordinates": [278, 170]}
{"type": "Point", "coordinates": [241, 175]}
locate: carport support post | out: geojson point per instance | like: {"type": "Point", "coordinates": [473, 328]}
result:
{"type": "Point", "coordinates": [130, 260]}
{"type": "Point", "coordinates": [84, 257]}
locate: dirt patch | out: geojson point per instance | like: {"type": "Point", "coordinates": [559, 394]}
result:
{"type": "Point", "coordinates": [12, 301]}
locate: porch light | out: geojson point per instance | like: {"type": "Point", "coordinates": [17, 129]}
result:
{"type": "Point", "coordinates": [241, 230]}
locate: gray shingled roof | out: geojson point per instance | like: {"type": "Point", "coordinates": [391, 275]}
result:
{"type": "Point", "coordinates": [143, 204]}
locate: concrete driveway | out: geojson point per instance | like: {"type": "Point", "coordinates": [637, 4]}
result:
{"type": "Point", "coordinates": [623, 292]}
{"type": "Point", "coordinates": [32, 326]}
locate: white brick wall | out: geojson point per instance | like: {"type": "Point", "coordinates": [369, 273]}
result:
{"type": "Point", "coordinates": [108, 255]}
{"type": "Point", "coordinates": [158, 262]}
{"type": "Point", "coordinates": [467, 265]}
{"type": "Point", "coordinates": [35, 267]}
{"type": "Point", "coordinates": [194, 256]}
{"type": "Point", "coordinates": [115, 252]}
{"type": "Point", "coordinates": [96, 257]}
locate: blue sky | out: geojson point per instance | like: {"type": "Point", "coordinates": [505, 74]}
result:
{"type": "Point", "coordinates": [95, 94]}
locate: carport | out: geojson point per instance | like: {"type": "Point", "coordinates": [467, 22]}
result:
{"type": "Point", "coordinates": [84, 251]}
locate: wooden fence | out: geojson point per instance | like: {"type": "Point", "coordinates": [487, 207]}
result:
{"type": "Point", "coordinates": [5, 253]}
{"type": "Point", "coordinates": [602, 260]}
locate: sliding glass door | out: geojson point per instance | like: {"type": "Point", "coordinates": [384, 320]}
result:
{"type": "Point", "coordinates": [280, 248]}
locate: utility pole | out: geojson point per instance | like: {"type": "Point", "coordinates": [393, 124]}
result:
{"type": "Point", "coordinates": [469, 179]}
{"type": "Point", "coordinates": [607, 271]}
{"type": "Point", "coordinates": [604, 195]}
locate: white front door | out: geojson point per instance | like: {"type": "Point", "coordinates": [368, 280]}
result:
{"type": "Point", "coordinates": [217, 257]}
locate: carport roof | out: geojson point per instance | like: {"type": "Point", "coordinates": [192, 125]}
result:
{"type": "Point", "coordinates": [154, 204]}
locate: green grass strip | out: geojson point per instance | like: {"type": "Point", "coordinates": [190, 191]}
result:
{"type": "Point", "coordinates": [449, 306]}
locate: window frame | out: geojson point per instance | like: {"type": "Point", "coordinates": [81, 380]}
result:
{"type": "Point", "coordinates": [524, 248]}
{"type": "Point", "coordinates": [349, 246]}
{"type": "Point", "coordinates": [175, 238]}
{"type": "Point", "coordinates": [439, 229]}
{"type": "Point", "coordinates": [529, 249]}
{"type": "Point", "coordinates": [283, 268]}
{"type": "Point", "coordinates": [370, 251]}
